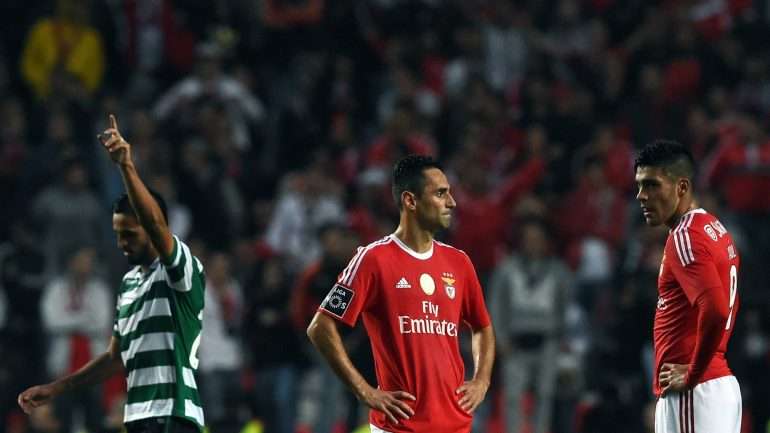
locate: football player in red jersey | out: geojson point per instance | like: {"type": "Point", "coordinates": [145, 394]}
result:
{"type": "Point", "coordinates": [697, 299]}
{"type": "Point", "coordinates": [412, 293]}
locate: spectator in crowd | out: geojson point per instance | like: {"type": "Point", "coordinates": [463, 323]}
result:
{"type": "Point", "coordinates": [63, 54]}
{"type": "Point", "coordinates": [324, 393]}
{"type": "Point", "coordinates": [76, 310]}
{"type": "Point", "coordinates": [220, 355]}
{"type": "Point", "coordinates": [528, 295]}
{"type": "Point", "coordinates": [278, 371]}
{"type": "Point", "coordinates": [399, 138]}
{"type": "Point", "coordinates": [14, 151]}
{"type": "Point", "coordinates": [68, 213]}
{"type": "Point", "coordinates": [506, 46]}
{"type": "Point", "coordinates": [492, 203]}
{"type": "Point", "coordinates": [210, 83]}
{"type": "Point", "coordinates": [179, 215]}
{"type": "Point", "coordinates": [307, 200]}
{"type": "Point", "coordinates": [158, 44]}
{"type": "Point", "coordinates": [58, 144]}
{"type": "Point", "coordinates": [592, 221]}
{"type": "Point", "coordinates": [211, 190]}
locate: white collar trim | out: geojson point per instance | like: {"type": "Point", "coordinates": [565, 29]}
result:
{"type": "Point", "coordinates": [420, 256]}
{"type": "Point", "coordinates": [698, 210]}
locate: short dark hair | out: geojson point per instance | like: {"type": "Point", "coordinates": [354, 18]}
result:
{"type": "Point", "coordinates": [670, 155]}
{"type": "Point", "coordinates": [122, 205]}
{"type": "Point", "coordinates": [408, 175]}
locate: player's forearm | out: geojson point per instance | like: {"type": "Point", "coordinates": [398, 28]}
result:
{"type": "Point", "coordinates": [483, 347]}
{"type": "Point", "coordinates": [711, 324]}
{"type": "Point", "coordinates": [147, 210]}
{"type": "Point", "coordinates": [329, 344]}
{"type": "Point", "coordinates": [96, 371]}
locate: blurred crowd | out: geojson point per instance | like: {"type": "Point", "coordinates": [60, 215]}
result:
{"type": "Point", "coordinates": [271, 127]}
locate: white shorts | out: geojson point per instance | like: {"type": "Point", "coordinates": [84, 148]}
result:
{"type": "Point", "coordinates": [376, 429]}
{"type": "Point", "coordinates": [713, 406]}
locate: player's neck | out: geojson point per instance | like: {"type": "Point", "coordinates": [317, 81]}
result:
{"type": "Point", "coordinates": [149, 262]}
{"type": "Point", "coordinates": [417, 239]}
{"type": "Point", "coordinates": [683, 209]}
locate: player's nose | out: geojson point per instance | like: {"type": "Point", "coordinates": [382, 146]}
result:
{"type": "Point", "coordinates": [450, 203]}
{"type": "Point", "coordinates": [641, 195]}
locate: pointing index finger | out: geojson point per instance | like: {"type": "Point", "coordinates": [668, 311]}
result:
{"type": "Point", "coordinates": [113, 122]}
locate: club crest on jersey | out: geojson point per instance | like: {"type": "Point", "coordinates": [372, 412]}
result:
{"type": "Point", "coordinates": [427, 284]}
{"type": "Point", "coordinates": [662, 303]}
{"type": "Point", "coordinates": [449, 281]}
{"type": "Point", "coordinates": [711, 232]}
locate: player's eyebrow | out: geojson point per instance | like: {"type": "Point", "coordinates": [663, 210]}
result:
{"type": "Point", "coordinates": [648, 182]}
{"type": "Point", "coordinates": [127, 231]}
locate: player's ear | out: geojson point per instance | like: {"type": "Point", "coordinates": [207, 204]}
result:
{"type": "Point", "coordinates": [408, 200]}
{"type": "Point", "coordinates": [683, 186]}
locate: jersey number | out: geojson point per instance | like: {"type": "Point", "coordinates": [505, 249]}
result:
{"type": "Point", "coordinates": [733, 292]}
{"type": "Point", "coordinates": [197, 343]}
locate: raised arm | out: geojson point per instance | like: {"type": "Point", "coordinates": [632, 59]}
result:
{"type": "Point", "coordinates": [146, 208]}
{"type": "Point", "coordinates": [521, 181]}
{"type": "Point", "coordinates": [325, 336]}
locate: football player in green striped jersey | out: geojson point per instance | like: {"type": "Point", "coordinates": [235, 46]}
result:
{"type": "Point", "coordinates": [157, 327]}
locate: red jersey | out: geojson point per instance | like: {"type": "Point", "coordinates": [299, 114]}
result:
{"type": "Point", "coordinates": [412, 306]}
{"type": "Point", "coordinates": [697, 298]}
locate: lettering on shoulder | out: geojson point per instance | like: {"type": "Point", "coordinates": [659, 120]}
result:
{"type": "Point", "coordinates": [721, 230]}
{"type": "Point", "coordinates": [710, 232]}
{"type": "Point", "coordinates": [338, 300]}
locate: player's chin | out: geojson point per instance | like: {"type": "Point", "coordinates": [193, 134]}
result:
{"type": "Point", "coordinates": [446, 221]}
{"type": "Point", "coordinates": [133, 258]}
{"type": "Point", "coordinates": [651, 220]}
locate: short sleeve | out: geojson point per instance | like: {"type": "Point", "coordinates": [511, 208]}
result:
{"type": "Point", "coordinates": [474, 309]}
{"type": "Point", "coordinates": [692, 264]}
{"type": "Point", "coordinates": [182, 268]}
{"type": "Point", "coordinates": [354, 287]}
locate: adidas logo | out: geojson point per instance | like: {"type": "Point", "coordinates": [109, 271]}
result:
{"type": "Point", "coordinates": [403, 284]}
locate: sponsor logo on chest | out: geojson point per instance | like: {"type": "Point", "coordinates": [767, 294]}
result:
{"type": "Point", "coordinates": [427, 284]}
{"type": "Point", "coordinates": [429, 323]}
{"type": "Point", "coordinates": [429, 320]}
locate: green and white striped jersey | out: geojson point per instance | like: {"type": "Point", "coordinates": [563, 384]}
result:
{"type": "Point", "coordinates": [158, 322]}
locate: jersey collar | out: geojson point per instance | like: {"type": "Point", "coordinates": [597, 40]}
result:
{"type": "Point", "coordinates": [698, 210]}
{"type": "Point", "coordinates": [150, 269]}
{"type": "Point", "coordinates": [681, 218]}
{"type": "Point", "coordinates": [420, 256]}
